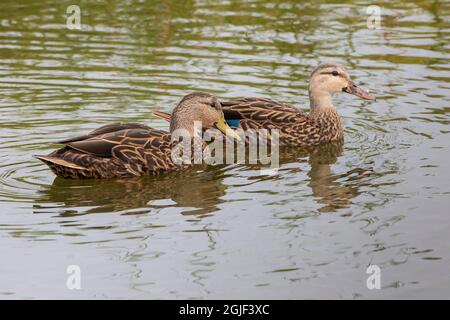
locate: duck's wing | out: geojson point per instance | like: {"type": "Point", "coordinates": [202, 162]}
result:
{"type": "Point", "coordinates": [109, 128]}
{"type": "Point", "coordinates": [163, 115]}
{"type": "Point", "coordinates": [258, 109]}
{"type": "Point", "coordinates": [128, 152]}
{"type": "Point", "coordinates": [103, 145]}
{"type": "Point", "coordinates": [294, 125]}
{"type": "Point", "coordinates": [257, 113]}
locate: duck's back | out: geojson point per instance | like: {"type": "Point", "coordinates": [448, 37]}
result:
{"type": "Point", "coordinates": [295, 126]}
{"type": "Point", "coordinates": [115, 150]}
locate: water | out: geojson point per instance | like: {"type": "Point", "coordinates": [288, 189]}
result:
{"type": "Point", "coordinates": [309, 231]}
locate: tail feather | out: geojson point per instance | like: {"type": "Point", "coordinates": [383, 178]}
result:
{"type": "Point", "coordinates": [163, 115]}
{"type": "Point", "coordinates": [52, 160]}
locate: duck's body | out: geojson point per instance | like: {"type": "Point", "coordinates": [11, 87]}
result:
{"type": "Point", "coordinates": [122, 150]}
{"type": "Point", "coordinates": [112, 151]}
{"type": "Point", "coordinates": [296, 127]}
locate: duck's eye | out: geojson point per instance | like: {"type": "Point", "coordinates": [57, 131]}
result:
{"type": "Point", "coordinates": [335, 73]}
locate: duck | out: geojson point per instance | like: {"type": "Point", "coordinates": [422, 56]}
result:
{"type": "Point", "coordinates": [296, 127]}
{"type": "Point", "coordinates": [123, 150]}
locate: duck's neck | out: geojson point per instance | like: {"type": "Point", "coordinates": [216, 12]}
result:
{"type": "Point", "coordinates": [320, 103]}
{"type": "Point", "coordinates": [325, 115]}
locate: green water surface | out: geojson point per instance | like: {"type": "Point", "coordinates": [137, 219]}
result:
{"type": "Point", "coordinates": [228, 231]}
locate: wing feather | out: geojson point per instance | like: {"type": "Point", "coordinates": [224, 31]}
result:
{"type": "Point", "coordinates": [109, 128]}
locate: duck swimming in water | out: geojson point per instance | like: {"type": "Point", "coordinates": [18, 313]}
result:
{"type": "Point", "coordinates": [133, 149]}
{"type": "Point", "coordinates": [296, 128]}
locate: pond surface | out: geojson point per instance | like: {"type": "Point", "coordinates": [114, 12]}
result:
{"type": "Point", "coordinates": [229, 231]}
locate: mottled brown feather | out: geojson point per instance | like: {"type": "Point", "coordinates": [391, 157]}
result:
{"type": "Point", "coordinates": [133, 149]}
{"type": "Point", "coordinates": [113, 127]}
{"type": "Point", "coordinates": [296, 127]}
{"type": "Point", "coordinates": [124, 153]}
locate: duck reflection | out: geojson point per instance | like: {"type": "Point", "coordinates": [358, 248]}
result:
{"type": "Point", "coordinates": [199, 191]}
{"type": "Point", "coordinates": [196, 192]}
{"type": "Point", "coordinates": [332, 191]}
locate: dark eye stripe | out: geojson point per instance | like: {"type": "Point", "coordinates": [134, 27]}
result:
{"type": "Point", "coordinates": [334, 73]}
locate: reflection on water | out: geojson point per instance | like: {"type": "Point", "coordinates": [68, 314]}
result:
{"type": "Point", "coordinates": [232, 231]}
{"type": "Point", "coordinates": [203, 192]}
{"type": "Point", "coordinates": [333, 191]}
{"type": "Point", "coordinates": [200, 196]}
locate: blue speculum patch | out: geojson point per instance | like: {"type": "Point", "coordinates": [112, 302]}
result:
{"type": "Point", "coordinates": [233, 123]}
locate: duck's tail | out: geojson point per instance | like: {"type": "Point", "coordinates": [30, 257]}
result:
{"type": "Point", "coordinates": [53, 161]}
{"type": "Point", "coordinates": [163, 115]}
{"type": "Point", "coordinates": [65, 169]}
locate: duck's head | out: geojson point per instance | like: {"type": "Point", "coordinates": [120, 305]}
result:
{"type": "Point", "coordinates": [331, 78]}
{"type": "Point", "coordinates": [202, 108]}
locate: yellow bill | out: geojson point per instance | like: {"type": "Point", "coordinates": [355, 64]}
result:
{"type": "Point", "coordinates": [226, 130]}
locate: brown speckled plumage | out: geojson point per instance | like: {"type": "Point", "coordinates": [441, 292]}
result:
{"type": "Point", "coordinates": [130, 149]}
{"type": "Point", "coordinates": [296, 127]}
{"type": "Point", "coordinates": [119, 153]}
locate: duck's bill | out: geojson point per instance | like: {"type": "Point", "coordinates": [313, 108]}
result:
{"type": "Point", "coordinates": [223, 127]}
{"type": "Point", "coordinates": [357, 91]}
